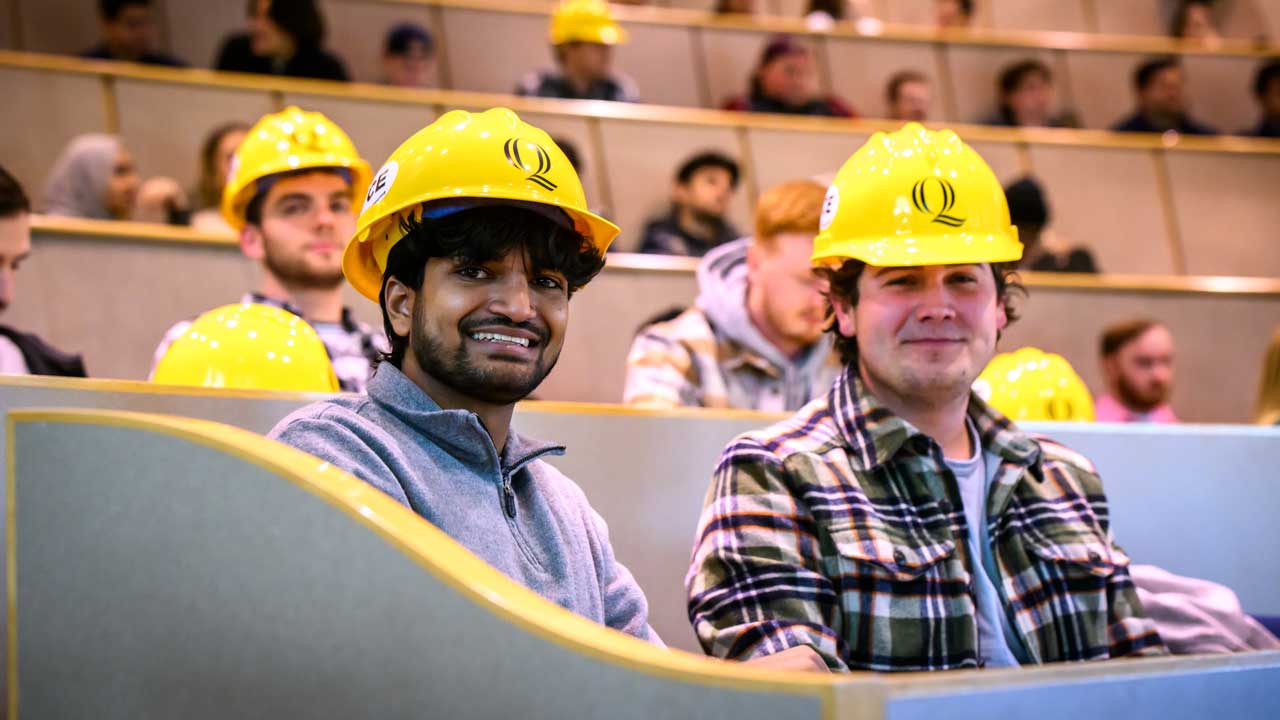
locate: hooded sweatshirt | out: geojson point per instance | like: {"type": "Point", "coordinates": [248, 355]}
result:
{"type": "Point", "coordinates": [77, 186]}
{"type": "Point", "coordinates": [712, 355]}
{"type": "Point", "coordinates": [513, 510]}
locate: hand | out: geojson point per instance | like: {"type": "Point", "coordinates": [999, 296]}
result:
{"type": "Point", "coordinates": [800, 658]}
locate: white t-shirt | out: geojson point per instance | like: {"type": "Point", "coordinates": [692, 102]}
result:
{"type": "Point", "coordinates": [973, 479]}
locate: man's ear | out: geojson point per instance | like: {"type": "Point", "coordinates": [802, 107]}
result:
{"type": "Point", "coordinates": [252, 243]}
{"type": "Point", "coordinates": [1002, 316]}
{"type": "Point", "coordinates": [845, 320]}
{"type": "Point", "coordinates": [398, 300]}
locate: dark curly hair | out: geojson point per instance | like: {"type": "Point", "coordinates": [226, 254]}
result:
{"type": "Point", "coordinates": [480, 235]}
{"type": "Point", "coordinates": [843, 283]}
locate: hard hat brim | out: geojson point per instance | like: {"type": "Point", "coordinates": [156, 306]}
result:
{"type": "Point", "coordinates": [940, 249]}
{"type": "Point", "coordinates": [363, 272]}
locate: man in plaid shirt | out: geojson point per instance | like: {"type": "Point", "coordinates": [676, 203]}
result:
{"type": "Point", "coordinates": [899, 522]}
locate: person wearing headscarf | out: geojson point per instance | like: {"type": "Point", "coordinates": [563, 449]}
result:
{"type": "Point", "coordinates": [93, 178]}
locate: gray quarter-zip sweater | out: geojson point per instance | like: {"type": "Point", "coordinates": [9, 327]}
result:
{"type": "Point", "coordinates": [516, 512]}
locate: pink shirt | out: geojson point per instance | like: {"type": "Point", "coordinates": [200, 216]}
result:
{"type": "Point", "coordinates": [1108, 409]}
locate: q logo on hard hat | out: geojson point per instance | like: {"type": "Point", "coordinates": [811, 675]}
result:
{"type": "Point", "coordinates": [512, 149]}
{"type": "Point", "coordinates": [920, 198]}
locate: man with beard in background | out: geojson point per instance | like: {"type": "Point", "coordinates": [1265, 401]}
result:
{"type": "Point", "coordinates": [1137, 365]}
{"type": "Point", "coordinates": [289, 195]}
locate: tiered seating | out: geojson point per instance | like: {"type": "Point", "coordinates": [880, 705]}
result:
{"type": "Point", "coordinates": [84, 277]}
{"type": "Point", "coordinates": [694, 59]}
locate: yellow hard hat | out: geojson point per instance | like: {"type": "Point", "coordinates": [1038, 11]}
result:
{"type": "Point", "coordinates": [915, 197]}
{"type": "Point", "coordinates": [493, 155]}
{"type": "Point", "coordinates": [1031, 384]}
{"type": "Point", "coordinates": [292, 139]}
{"type": "Point", "coordinates": [251, 346]}
{"type": "Point", "coordinates": [585, 21]}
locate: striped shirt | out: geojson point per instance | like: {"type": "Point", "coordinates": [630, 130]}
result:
{"type": "Point", "coordinates": [842, 528]}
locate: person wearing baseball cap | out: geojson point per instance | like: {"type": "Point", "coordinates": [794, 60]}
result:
{"type": "Point", "coordinates": [900, 522]}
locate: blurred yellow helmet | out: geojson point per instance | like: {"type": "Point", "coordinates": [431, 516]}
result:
{"type": "Point", "coordinates": [488, 156]}
{"type": "Point", "coordinates": [1031, 384]}
{"type": "Point", "coordinates": [248, 346]}
{"type": "Point", "coordinates": [292, 139]}
{"type": "Point", "coordinates": [915, 197]}
{"type": "Point", "coordinates": [585, 21]}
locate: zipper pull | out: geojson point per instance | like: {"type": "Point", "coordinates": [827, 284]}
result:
{"type": "Point", "coordinates": [508, 497]}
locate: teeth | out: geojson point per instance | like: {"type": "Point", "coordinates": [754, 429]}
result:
{"type": "Point", "coordinates": [495, 337]}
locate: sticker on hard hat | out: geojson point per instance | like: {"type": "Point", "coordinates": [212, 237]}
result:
{"type": "Point", "coordinates": [381, 184]}
{"type": "Point", "coordinates": [920, 198]}
{"type": "Point", "coordinates": [537, 175]}
{"type": "Point", "coordinates": [830, 204]}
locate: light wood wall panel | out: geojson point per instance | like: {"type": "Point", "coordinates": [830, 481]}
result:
{"type": "Point", "coordinates": [58, 26]}
{"type": "Point", "coordinates": [661, 61]}
{"type": "Point", "coordinates": [55, 108]}
{"type": "Point", "coordinates": [1218, 88]}
{"type": "Point", "coordinates": [1120, 220]}
{"type": "Point", "coordinates": [196, 30]}
{"type": "Point", "coordinates": [975, 71]}
{"type": "Point", "coordinates": [491, 51]}
{"type": "Point", "coordinates": [1054, 15]}
{"type": "Point", "coordinates": [781, 155]}
{"type": "Point", "coordinates": [860, 72]}
{"type": "Point", "coordinates": [357, 31]}
{"type": "Point", "coordinates": [642, 160]}
{"type": "Point", "coordinates": [165, 136]}
{"type": "Point", "coordinates": [1228, 214]}
{"type": "Point", "coordinates": [1104, 86]}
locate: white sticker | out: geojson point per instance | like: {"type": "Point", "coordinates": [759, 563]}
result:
{"type": "Point", "coordinates": [381, 184]}
{"type": "Point", "coordinates": [829, 206]}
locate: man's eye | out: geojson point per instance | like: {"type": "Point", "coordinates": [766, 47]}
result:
{"type": "Point", "coordinates": [550, 283]}
{"type": "Point", "coordinates": [340, 206]}
{"type": "Point", "coordinates": [900, 280]}
{"type": "Point", "coordinates": [293, 209]}
{"type": "Point", "coordinates": [473, 273]}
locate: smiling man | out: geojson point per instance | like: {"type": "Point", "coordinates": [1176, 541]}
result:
{"type": "Point", "coordinates": [289, 195]}
{"type": "Point", "coordinates": [473, 238]}
{"type": "Point", "coordinates": [899, 522]}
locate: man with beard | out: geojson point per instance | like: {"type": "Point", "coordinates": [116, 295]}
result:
{"type": "Point", "coordinates": [473, 238]}
{"type": "Point", "coordinates": [289, 195]}
{"type": "Point", "coordinates": [754, 339]}
{"type": "Point", "coordinates": [898, 522]}
{"type": "Point", "coordinates": [1137, 365]}
{"type": "Point", "coordinates": [700, 197]}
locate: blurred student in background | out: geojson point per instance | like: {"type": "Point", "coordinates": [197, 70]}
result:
{"type": "Point", "coordinates": [908, 96]}
{"type": "Point", "coordinates": [1266, 88]}
{"type": "Point", "coordinates": [215, 163]}
{"type": "Point", "coordinates": [285, 37]}
{"type": "Point", "coordinates": [583, 34]}
{"type": "Point", "coordinates": [1160, 88]}
{"type": "Point", "coordinates": [409, 57]}
{"type": "Point", "coordinates": [23, 353]}
{"type": "Point", "coordinates": [1137, 366]}
{"type": "Point", "coordinates": [786, 81]}
{"type": "Point", "coordinates": [952, 13]}
{"type": "Point", "coordinates": [704, 186]}
{"type": "Point", "coordinates": [1042, 251]}
{"type": "Point", "coordinates": [1027, 98]}
{"type": "Point", "coordinates": [127, 28]}
{"type": "Point", "coordinates": [95, 178]}
{"type": "Point", "coordinates": [1193, 20]}
{"type": "Point", "coordinates": [754, 339]}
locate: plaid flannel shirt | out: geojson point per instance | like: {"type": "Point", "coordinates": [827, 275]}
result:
{"type": "Point", "coordinates": [685, 362]}
{"type": "Point", "coordinates": [841, 528]}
